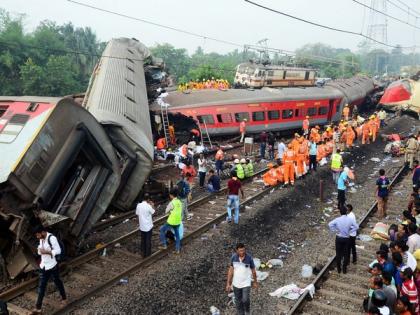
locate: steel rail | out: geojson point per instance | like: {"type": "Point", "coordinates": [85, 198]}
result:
{"type": "Point", "coordinates": [323, 274]}
{"type": "Point", "coordinates": [86, 257]}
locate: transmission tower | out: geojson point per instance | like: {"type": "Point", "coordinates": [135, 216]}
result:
{"type": "Point", "coordinates": [377, 30]}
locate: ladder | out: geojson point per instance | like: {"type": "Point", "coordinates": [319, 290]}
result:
{"type": "Point", "coordinates": [204, 133]}
{"type": "Point", "coordinates": [165, 122]}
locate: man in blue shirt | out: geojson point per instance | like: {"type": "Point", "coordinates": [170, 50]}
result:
{"type": "Point", "coordinates": [313, 149]}
{"type": "Point", "coordinates": [213, 182]}
{"type": "Point", "coordinates": [241, 269]}
{"type": "Point", "coordinates": [341, 187]}
{"type": "Point", "coordinates": [343, 227]}
{"type": "Point", "coordinates": [382, 191]}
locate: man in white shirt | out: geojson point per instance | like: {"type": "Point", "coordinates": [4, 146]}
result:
{"type": "Point", "coordinates": [413, 241]}
{"type": "Point", "coordinates": [353, 234]}
{"type": "Point", "coordinates": [48, 249]}
{"type": "Point", "coordinates": [281, 147]}
{"type": "Point", "coordinates": [202, 169]}
{"type": "Point", "coordinates": [145, 211]}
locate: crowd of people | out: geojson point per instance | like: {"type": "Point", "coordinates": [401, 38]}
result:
{"type": "Point", "coordinates": [204, 84]}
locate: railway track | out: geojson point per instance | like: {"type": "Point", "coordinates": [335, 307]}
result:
{"type": "Point", "coordinates": [344, 293]}
{"type": "Point", "coordinates": [87, 275]}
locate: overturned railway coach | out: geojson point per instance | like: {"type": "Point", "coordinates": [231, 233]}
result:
{"type": "Point", "coordinates": [58, 169]}
{"type": "Point", "coordinates": [269, 109]}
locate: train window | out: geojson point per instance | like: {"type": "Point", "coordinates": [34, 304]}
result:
{"type": "Point", "coordinates": [258, 116]}
{"type": "Point", "coordinates": [287, 113]}
{"type": "Point", "coordinates": [323, 110]}
{"type": "Point", "coordinates": [270, 73]}
{"type": "Point", "coordinates": [3, 109]}
{"type": "Point", "coordinates": [311, 111]}
{"type": "Point", "coordinates": [241, 116]}
{"type": "Point", "coordinates": [224, 118]}
{"type": "Point", "coordinates": [273, 114]}
{"type": "Point", "coordinates": [13, 128]}
{"type": "Point", "coordinates": [208, 119]}
{"type": "Point", "coordinates": [32, 107]}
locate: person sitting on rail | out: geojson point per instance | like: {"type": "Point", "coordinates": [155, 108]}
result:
{"type": "Point", "coordinates": [280, 172]}
{"type": "Point", "coordinates": [270, 177]}
{"type": "Point", "coordinates": [249, 168]}
{"type": "Point", "coordinates": [213, 183]}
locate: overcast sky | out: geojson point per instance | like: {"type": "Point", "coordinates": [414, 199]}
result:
{"type": "Point", "coordinates": [230, 20]}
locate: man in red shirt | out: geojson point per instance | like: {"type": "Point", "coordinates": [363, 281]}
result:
{"type": "Point", "coordinates": [234, 186]}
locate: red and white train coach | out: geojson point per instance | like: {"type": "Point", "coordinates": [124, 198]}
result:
{"type": "Point", "coordinates": [269, 109]}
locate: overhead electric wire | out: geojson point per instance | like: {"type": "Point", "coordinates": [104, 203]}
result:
{"type": "Point", "coordinates": [404, 10]}
{"type": "Point", "coordinates": [408, 7]}
{"type": "Point", "coordinates": [322, 25]}
{"type": "Point", "coordinates": [193, 33]}
{"type": "Point", "coordinates": [386, 14]}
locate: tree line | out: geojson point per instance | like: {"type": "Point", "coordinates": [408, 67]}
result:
{"type": "Point", "coordinates": [56, 60]}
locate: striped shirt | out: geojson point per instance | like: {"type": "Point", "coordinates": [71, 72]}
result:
{"type": "Point", "coordinates": [409, 289]}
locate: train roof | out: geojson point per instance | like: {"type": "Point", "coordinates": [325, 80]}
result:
{"type": "Point", "coordinates": [117, 92]}
{"type": "Point", "coordinates": [19, 126]}
{"type": "Point", "coordinates": [275, 67]}
{"type": "Point", "coordinates": [214, 97]}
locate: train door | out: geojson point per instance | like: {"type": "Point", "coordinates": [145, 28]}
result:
{"type": "Point", "coordinates": [263, 78]}
{"type": "Point", "coordinates": [330, 109]}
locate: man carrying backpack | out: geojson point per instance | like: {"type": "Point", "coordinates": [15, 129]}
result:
{"type": "Point", "coordinates": [49, 249]}
{"type": "Point", "coordinates": [184, 195]}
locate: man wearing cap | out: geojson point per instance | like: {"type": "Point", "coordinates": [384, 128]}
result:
{"type": "Point", "coordinates": [305, 127]}
{"type": "Point", "coordinates": [242, 129]}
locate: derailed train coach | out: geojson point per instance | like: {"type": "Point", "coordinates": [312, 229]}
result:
{"type": "Point", "coordinates": [64, 163]}
{"type": "Point", "coordinates": [58, 169]}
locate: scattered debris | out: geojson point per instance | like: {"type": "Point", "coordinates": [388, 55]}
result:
{"type": "Point", "coordinates": [212, 202]}
{"type": "Point", "coordinates": [214, 310]}
{"type": "Point", "coordinates": [261, 275]}
{"type": "Point", "coordinates": [292, 291]}
{"type": "Point", "coordinates": [365, 238]}
{"type": "Point", "coordinates": [375, 159]}
{"type": "Point", "coordinates": [306, 271]}
{"type": "Point", "coordinates": [123, 280]}
{"type": "Point", "coordinates": [275, 262]}
{"type": "Point", "coordinates": [117, 245]}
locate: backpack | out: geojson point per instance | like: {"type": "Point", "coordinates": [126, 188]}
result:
{"type": "Point", "coordinates": [62, 256]}
{"type": "Point", "coordinates": [183, 189]}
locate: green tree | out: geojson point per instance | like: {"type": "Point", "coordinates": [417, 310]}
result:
{"type": "Point", "coordinates": [32, 77]}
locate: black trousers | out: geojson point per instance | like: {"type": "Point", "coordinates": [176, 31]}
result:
{"type": "Point", "coordinates": [146, 243]}
{"type": "Point", "coordinates": [43, 281]}
{"type": "Point", "coordinates": [312, 162]}
{"type": "Point", "coordinates": [352, 249]}
{"type": "Point", "coordinates": [342, 245]}
{"type": "Point", "coordinates": [341, 197]}
{"type": "Point", "coordinates": [202, 177]}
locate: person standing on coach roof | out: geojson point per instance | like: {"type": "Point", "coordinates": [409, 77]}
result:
{"type": "Point", "coordinates": [241, 269]}
{"type": "Point", "coordinates": [48, 248]}
{"type": "Point", "coordinates": [343, 227]}
{"type": "Point", "coordinates": [382, 192]}
{"type": "Point", "coordinates": [234, 186]}
{"type": "Point", "coordinates": [145, 211]}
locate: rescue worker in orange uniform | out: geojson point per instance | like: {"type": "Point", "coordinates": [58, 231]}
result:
{"type": "Point", "coordinates": [327, 134]}
{"type": "Point", "coordinates": [189, 169]}
{"type": "Point", "coordinates": [171, 130]}
{"type": "Point", "coordinates": [346, 112]}
{"type": "Point", "coordinates": [366, 133]}
{"type": "Point", "coordinates": [373, 127]}
{"type": "Point", "coordinates": [350, 137]}
{"type": "Point", "coordinates": [289, 159]}
{"type": "Point", "coordinates": [295, 143]}
{"type": "Point", "coordinates": [321, 151]}
{"type": "Point", "coordinates": [280, 172]}
{"type": "Point", "coordinates": [242, 129]}
{"type": "Point", "coordinates": [305, 127]}
{"type": "Point", "coordinates": [270, 177]}
{"type": "Point", "coordinates": [161, 143]}
{"type": "Point", "coordinates": [301, 158]}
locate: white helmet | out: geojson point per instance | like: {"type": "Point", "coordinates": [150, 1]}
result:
{"type": "Point", "coordinates": [236, 161]}
{"type": "Point", "coordinates": [243, 161]}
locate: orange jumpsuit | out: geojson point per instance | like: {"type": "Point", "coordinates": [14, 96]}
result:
{"type": "Point", "coordinates": [280, 174]}
{"type": "Point", "coordinates": [300, 160]}
{"type": "Point", "coordinates": [289, 158]}
{"type": "Point", "coordinates": [270, 177]}
{"type": "Point", "coordinates": [329, 147]}
{"type": "Point", "coordinates": [161, 143]}
{"type": "Point", "coordinates": [350, 137]}
{"type": "Point", "coordinates": [171, 130]}
{"type": "Point", "coordinates": [313, 135]}
{"type": "Point", "coordinates": [359, 131]}
{"type": "Point", "coordinates": [365, 133]}
{"type": "Point", "coordinates": [346, 112]}
{"type": "Point", "coordinates": [373, 129]}
{"type": "Point", "coordinates": [189, 170]}
{"type": "Point", "coordinates": [321, 152]}
{"type": "Point", "coordinates": [295, 145]}
{"type": "Point", "coordinates": [305, 126]}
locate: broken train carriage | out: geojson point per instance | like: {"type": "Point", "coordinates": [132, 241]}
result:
{"type": "Point", "coordinates": [64, 164]}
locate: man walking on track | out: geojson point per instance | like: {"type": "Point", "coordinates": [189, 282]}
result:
{"type": "Point", "coordinates": [343, 227]}
{"type": "Point", "coordinates": [382, 191]}
{"type": "Point", "coordinates": [242, 129]}
{"type": "Point", "coordinates": [234, 186]}
{"type": "Point", "coordinates": [48, 249]}
{"type": "Point", "coordinates": [241, 269]}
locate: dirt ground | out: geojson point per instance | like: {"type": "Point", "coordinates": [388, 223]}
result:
{"type": "Point", "coordinates": [290, 223]}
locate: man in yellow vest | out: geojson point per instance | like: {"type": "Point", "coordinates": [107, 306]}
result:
{"type": "Point", "coordinates": [336, 164]}
{"type": "Point", "coordinates": [240, 172]}
{"type": "Point", "coordinates": [174, 221]}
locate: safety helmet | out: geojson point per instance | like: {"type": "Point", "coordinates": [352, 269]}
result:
{"type": "Point", "coordinates": [270, 165]}
{"type": "Point", "coordinates": [378, 298]}
{"type": "Point", "coordinates": [245, 119]}
{"type": "Point", "coordinates": [297, 135]}
{"type": "Point", "coordinates": [243, 161]}
{"type": "Point", "coordinates": [347, 105]}
{"type": "Point", "coordinates": [235, 156]}
{"type": "Point", "coordinates": [236, 161]}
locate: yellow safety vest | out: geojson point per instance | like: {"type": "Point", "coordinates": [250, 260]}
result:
{"type": "Point", "coordinates": [336, 161]}
{"type": "Point", "coordinates": [175, 216]}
